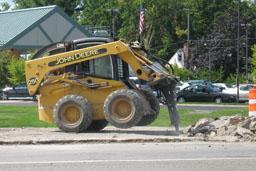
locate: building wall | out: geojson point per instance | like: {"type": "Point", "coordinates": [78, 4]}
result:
{"type": "Point", "coordinates": [178, 59]}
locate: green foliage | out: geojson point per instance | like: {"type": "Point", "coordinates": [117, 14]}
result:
{"type": "Point", "coordinates": [183, 73]}
{"type": "Point", "coordinates": [205, 14]}
{"type": "Point", "coordinates": [16, 69]}
{"type": "Point", "coordinates": [253, 62]}
{"type": "Point", "coordinates": [165, 28]}
{"type": "Point", "coordinates": [203, 74]}
{"type": "Point", "coordinates": [31, 54]}
{"type": "Point", "coordinates": [181, 32]}
{"type": "Point", "coordinates": [130, 13]}
{"type": "Point", "coordinates": [4, 6]}
{"type": "Point", "coordinates": [232, 79]}
{"type": "Point", "coordinates": [66, 5]}
{"type": "Point", "coordinates": [213, 75]}
{"type": "Point", "coordinates": [217, 76]}
{"type": "Point", "coordinates": [95, 12]}
{"type": "Point", "coordinates": [4, 61]}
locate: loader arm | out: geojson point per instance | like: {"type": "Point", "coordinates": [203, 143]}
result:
{"type": "Point", "coordinates": [37, 69]}
{"type": "Point", "coordinates": [42, 70]}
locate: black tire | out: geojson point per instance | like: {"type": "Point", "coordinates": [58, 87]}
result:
{"type": "Point", "coordinates": [35, 98]}
{"type": "Point", "coordinates": [181, 100]}
{"type": "Point", "coordinates": [124, 108]}
{"type": "Point", "coordinates": [162, 100]}
{"type": "Point", "coordinates": [154, 103]}
{"type": "Point", "coordinates": [4, 96]}
{"type": "Point", "coordinates": [72, 113]}
{"type": "Point", "coordinates": [97, 125]}
{"type": "Point", "coordinates": [218, 100]}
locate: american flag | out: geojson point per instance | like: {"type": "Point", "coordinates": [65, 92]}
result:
{"type": "Point", "coordinates": [141, 18]}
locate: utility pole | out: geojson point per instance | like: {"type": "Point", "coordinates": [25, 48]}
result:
{"type": "Point", "coordinates": [238, 53]}
{"type": "Point", "coordinates": [246, 50]}
{"type": "Point", "coordinates": [113, 11]}
{"type": "Point", "coordinates": [188, 33]}
{"type": "Point", "coordinates": [210, 64]}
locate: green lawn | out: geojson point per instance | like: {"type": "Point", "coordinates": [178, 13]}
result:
{"type": "Point", "coordinates": [27, 116]}
{"type": "Point", "coordinates": [21, 116]}
{"type": "Point", "coordinates": [187, 118]}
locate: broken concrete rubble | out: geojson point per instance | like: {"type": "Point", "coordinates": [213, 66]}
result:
{"type": "Point", "coordinates": [238, 126]}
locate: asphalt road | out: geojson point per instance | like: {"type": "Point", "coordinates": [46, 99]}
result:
{"type": "Point", "coordinates": [180, 106]}
{"type": "Point", "coordinates": [210, 106]}
{"type": "Point", "coordinates": [18, 103]}
{"type": "Point", "coordinates": [148, 156]}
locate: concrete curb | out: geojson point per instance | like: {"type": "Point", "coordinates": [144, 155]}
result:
{"type": "Point", "coordinates": [26, 136]}
{"type": "Point", "coordinates": [101, 141]}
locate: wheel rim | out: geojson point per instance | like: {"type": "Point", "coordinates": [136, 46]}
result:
{"type": "Point", "coordinates": [4, 96]}
{"type": "Point", "coordinates": [181, 100]}
{"type": "Point", "coordinates": [122, 109]}
{"type": "Point", "coordinates": [218, 100]}
{"type": "Point", "coordinates": [71, 114]}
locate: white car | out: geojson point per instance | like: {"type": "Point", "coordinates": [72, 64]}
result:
{"type": "Point", "coordinates": [224, 86]}
{"type": "Point", "coordinates": [181, 86]}
{"type": "Point", "coordinates": [243, 92]}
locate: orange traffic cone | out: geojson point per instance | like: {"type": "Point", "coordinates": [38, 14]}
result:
{"type": "Point", "coordinates": [252, 101]}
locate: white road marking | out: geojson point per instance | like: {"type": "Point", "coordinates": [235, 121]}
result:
{"type": "Point", "coordinates": [107, 161]}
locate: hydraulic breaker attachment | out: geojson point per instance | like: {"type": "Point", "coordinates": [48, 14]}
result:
{"type": "Point", "coordinates": [167, 86]}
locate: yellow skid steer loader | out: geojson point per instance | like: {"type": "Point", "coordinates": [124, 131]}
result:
{"type": "Point", "coordinates": [84, 84]}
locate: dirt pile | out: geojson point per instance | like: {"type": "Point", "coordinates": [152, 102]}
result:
{"type": "Point", "coordinates": [243, 128]}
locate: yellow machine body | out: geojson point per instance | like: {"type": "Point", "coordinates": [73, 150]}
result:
{"type": "Point", "coordinates": [47, 77]}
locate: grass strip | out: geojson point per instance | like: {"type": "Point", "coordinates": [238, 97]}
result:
{"type": "Point", "coordinates": [21, 116]}
{"type": "Point", "coordinates": [190, 117]}
{"type": "Point", "coordinates": [27, 116]}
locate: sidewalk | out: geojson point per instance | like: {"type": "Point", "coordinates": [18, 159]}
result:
{"type": "Point", "coordinates": [9, 136]}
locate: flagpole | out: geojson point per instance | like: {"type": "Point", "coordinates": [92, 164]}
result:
{"type": "Point", "coordinates": [140, 38]}
{"type": "Point", "coordinates": [141, 22]}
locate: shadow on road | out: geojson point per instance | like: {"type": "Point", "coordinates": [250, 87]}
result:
{"type": "Point", "coordinates": [142, 132]}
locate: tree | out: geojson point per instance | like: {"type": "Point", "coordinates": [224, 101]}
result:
{"type": "Point", "coordinates": [253, 59]}
{"type": "Point", "coordinates": [214, 76]}
{"type": "Point", "coordinates": [213, 26]}
{"type": "Point", "coordinates": [66, 5]}
{"type": "Point", "coordinates": [95, 13]}
{"type": "Point", "coordinates": [232, 79]}
{"type": "Point", "coordinates": [4, 6]}
{"type": "Point", "coordinates": [205, 14]}
{"type": "Point", "coordinates": [183, 73]}
{"type": "Point", "coordinates": [16, 69]}
{"type": "Point", "coordinates": [4, 61]}
{"type": "Point", "coordinates": [220, 47]}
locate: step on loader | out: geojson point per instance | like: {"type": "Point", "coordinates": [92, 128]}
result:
{"type": "Point", "coordinates": [84, 84]}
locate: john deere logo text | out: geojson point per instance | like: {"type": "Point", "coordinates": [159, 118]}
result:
{"type": "Point", "coordinates": [33, 81]}
{"type": "Point", "coordinates": [77, 56]}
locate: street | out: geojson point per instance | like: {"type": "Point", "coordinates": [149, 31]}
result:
{"type": "Point", "coordinates": [133, 156]}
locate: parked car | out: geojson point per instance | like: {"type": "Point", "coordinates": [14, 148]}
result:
{"type": "Point", "coordinates": [200, 82]}
{"type": "Point", "coordinates": [223, 85]}
{"type": "Point", "coordinates": [141, 84]}
{"type": "Point", "coordinates": [219, 88]}
{"type": "Point", "coordinates": [203, 93]}
{"type": "Point", "coordinates": [16, 92]}
{"type": "Point", "coordinates": [243, 92]}
{"type": "Point", "coordinates": [180, 86]}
